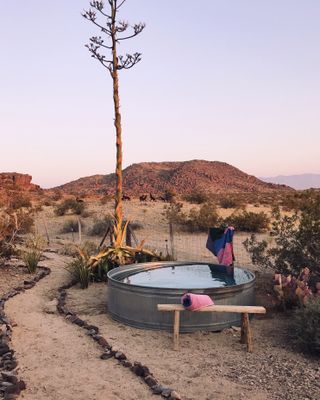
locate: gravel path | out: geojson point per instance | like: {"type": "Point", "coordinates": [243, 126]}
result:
{"type": "Point", "coordinates": [56, 359]}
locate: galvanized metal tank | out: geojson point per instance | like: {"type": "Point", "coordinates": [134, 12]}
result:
{"type": "Point", "coordinates": [136, 305]}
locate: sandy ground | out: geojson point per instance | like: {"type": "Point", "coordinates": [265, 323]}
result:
{"type": "Point", "coordinates": [210, 365]}
{"type": "Point", "coordinates": [56, 359]}
{"type": "Point", "coordinates": [59, 361]}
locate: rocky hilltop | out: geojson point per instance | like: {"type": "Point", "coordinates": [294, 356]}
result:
{"type": "Point", "coordinates": [180, 177]}
{"type": "Point", "coordinates": [16, 181]}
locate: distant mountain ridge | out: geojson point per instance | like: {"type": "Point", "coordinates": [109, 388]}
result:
{"type": "Point", "coordinates": [182, 177]}
{"type": "Point", "coordinates": [299, 182]}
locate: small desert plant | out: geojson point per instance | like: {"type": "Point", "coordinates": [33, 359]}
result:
{"type": "Point", "coordinates": [306, 327]}
{"type": "Point", "coordinates": [70, 226]}
{"type": "Point", "coordinates": [248, 221]}
{"type": "Point", "coordinates": [32, 255]}
{"type": "Point", "coordinates": [81, 271]}
{"type": "Point", "coordinates": [31, 259]}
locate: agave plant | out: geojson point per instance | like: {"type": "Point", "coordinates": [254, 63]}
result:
{"type": "Point", "coordinates": [88, 267]}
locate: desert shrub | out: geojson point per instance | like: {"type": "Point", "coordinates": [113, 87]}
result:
{"type": "Point", "coordinates": [198, 220]}
{"type": "Point", "coordinates": [47, 203]}
{"type": "Point", "coordinates": [105, 199]}
{"type": "Point", "coordinates": [296, 241]}
{"type": "Point", "coordinates": [173, 213]}
{"type": "Point", "coordinates": [169, 195]}
{"type": "Point", "coordinates": [68, 250]}
{"type": "Point", "coordinates": [17, 201]}
{"type": "Point", "coordinates": [196, 197]}
{"type": "Point", "coordinates": [12, 224]}
{"type": "Point", "coordinates": [70, 226]}
{"type": "Point", "coordinates": [72, 205]}
{"type": "Point", "coordinates": [248, 221]}
{"type": "Point", "coordinates": [306, 327]}
{"type": "Point", "coordinates": [56, 195]}
{"type": "Point", "coordinates": [204, 218]}
{"type": "Point", "coordinates": [230, 202]}
{"type": "Point", "coordinates": [100, 226]}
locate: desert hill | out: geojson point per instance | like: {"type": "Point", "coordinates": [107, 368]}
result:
{"type": "Point", "coordinates": [181, 177]}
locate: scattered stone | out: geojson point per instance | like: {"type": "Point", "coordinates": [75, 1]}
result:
{"type": "Point", "coordinates": [150, 381]}
{"type": "Point", "coordinates": [166, 392]}
{"type": "Point", "coordinates": [9, 377]}
{"type": "Point", "coordinates": [157, 389]}
{"type": "Point", "coordinates": [106, 355]}
{"type": "Point", "coordinates": [102, 341]}
{"type": "Point", "coordinates": [120, 356]}
{"type": "Point", "coordinates": [175, 395]}
{"type": "Point", "coordinates": [51, 307]}
{"type": "Point", "coordinates": [126, 363]}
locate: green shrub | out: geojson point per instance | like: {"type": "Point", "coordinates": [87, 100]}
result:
{"type": "Point", "coordinates": [296, 241]}
{"type": "Point", "coordinates": [31, 259]}
{"type": "Point", "coordinates": [204, 218]}
{"type": "Point", "coordinates": [248, 221]}
{"type": "Point", "coordinates": [196, 197]}
{"type": "Point", "coordinates": [306, 327]}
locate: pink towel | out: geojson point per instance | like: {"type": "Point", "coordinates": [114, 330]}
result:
{"type": "Point", "coordinates": [194, 302]}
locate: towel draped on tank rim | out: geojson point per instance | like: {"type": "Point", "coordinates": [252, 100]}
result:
{"type": "Point", "coordinates": [220, 244]}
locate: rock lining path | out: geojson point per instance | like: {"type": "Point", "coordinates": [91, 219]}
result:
{"type": "Point", "coordinates": [57, 360]}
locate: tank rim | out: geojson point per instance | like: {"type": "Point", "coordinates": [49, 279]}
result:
{"type": "Point", "coordinates": [122, 272]}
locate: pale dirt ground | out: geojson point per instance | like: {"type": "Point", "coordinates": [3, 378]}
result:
{"type": "Point", "coordinates": [59, 361]}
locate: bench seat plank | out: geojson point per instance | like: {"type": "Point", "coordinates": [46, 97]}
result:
{"type": "Point", "coordinates": [216, 308]}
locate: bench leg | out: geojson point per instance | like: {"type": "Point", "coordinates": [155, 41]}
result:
{"type": "Point", "coordinates": [246, 334]}
{"type": "Point", "coordinates": [176, 329]}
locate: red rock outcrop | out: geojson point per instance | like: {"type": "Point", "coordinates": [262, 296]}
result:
{"type": "Point", "coordinates": [16, 181]}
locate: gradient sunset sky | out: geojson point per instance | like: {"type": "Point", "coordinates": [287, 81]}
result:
{"type": "Point", "coordinates": [227, 80]}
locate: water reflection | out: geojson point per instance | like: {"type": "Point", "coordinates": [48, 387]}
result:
{"type": "Point", "coordinates": [194, 276]}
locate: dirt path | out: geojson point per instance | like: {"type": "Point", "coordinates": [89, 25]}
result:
{"type": "Point", "coordinates": [56, 359]}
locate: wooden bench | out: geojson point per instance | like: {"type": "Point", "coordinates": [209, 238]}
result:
{"type": "Point", "coordinates": [246, 333]}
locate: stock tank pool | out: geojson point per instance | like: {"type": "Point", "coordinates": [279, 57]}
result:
{"type": "Point", "coordinates": [135, 290]}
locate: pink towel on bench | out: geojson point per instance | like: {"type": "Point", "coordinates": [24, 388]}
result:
{"type": "Point", "coordinates": [194, 302]}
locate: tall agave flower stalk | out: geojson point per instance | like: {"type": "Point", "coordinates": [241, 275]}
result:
{"type": "Point", "coordinates": [115, 32]}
